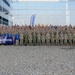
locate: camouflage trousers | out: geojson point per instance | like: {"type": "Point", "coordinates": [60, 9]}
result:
{"type": "Point", "coordinates": [47, 41]}
{"type": "Point", "coordinates": [71, 41]}
{"type": "Point", "coordinates": [38, 41]}
{"type": "Point", "coordinates": [21, 41]}
{"type": "Point", "coordinates": [61, 41]}
{"type": "Point", "coordinates": [42, 40]}
{"type": "Point", "coordinates": [34, 41]}
{"type": "Point", "coordinates": [65, 41]}
{"type": "Point", "coordinates": [30, 41]}
{"type": "Point", "coordinates": [52, 41]}
{"type": "Point", "coordinates": [26, 41]}
{"type": "Point", "coordinates": [74, 41]}
{"type": "Point", "coordinates": [57, 41]}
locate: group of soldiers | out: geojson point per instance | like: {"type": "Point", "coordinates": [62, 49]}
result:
{"type": "Point", "coordinates": [41, 35]}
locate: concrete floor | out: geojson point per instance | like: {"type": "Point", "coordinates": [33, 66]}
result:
{"type": "Point", "coordinates": [37, 60]}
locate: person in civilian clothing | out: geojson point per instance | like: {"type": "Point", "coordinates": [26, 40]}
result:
{"type": "Point", "coordinates": [10, 37]}
{"type": "Point", "coordinates": [17, 38]}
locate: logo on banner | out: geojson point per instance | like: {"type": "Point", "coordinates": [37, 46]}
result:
{"type": "Point", "coordinates": [32, 20]}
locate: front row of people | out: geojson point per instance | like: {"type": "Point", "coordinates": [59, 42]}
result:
{"type": "Point", "coordinates": [35, 39]}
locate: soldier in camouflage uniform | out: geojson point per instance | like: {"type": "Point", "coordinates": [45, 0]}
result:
{"type": "Point", "coordinates": [43, 38]}
{"type": "Point", "coordinates": [61, 37]}
{"type": "Point", "coordinates": [70, 37]}
{"type": "Point", "coordinates": [57, 37]}
{"type": "Point", "coordinates": [26, 38]}
{"type": "Point", "coordinates": [21, 38]}
{"type": "Point", "coordinates": [52, 37]}
{"type": "Point", "coordinates": [38, 38]}
{"type": "Point", "coordinates": [65, 38]}
{"type": "Point", "coordinates": [34, 38]}
{"type": "Point", "coordinates": [30, 38]}
{"type": "Point", "coordinates": [47, 38]}
{"type": "Point", "coordinates": [74, 37]}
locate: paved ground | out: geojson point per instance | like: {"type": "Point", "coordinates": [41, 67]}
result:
{"type": "Point", "coordinates": [37, 60]}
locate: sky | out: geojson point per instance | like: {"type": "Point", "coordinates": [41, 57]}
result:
{"type": "Point", "coordinates": [47, 12]}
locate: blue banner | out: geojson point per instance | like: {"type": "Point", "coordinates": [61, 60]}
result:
{"type": "Point", "coordinates": [6, 40]}
{"type": "Point", "coordinates": [32, 20]}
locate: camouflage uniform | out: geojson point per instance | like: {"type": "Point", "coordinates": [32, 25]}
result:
{"type": "Point", "coordinates": [43, 38]}
{"type": "Point", "coordinates": [47, 38]}
{"type": "Point", "coordinates": [65, 38]}
{"type": "Point", "coordinates": [21, 38]}
{"type": "Point", "coordinates": [70, 37]}
{"type": "Point", "coordinates": [26, 38]}
{"type": "Point", "coordinates": [52, 37]}
{"type": "Point", "coordinates": [74, 38]}
{"type": "Point", "coordinates": [61, 37]}
{"type": "Point", "coordinates": [57, 37]}
{"type": "Point", "coordinates": [34, 38]}
{"type": "Point", "coordinates": [30, 38]}
{"type": "Point", "coordinates": [38, 38]}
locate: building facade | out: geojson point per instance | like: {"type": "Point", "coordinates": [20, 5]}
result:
{"type": "Point", "coordinates": [5, 17]}
{"type": "Point", "coordinates": [55, 12]}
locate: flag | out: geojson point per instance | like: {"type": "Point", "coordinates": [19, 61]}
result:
{"type": "Point", "coordinates": [32, 19]}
